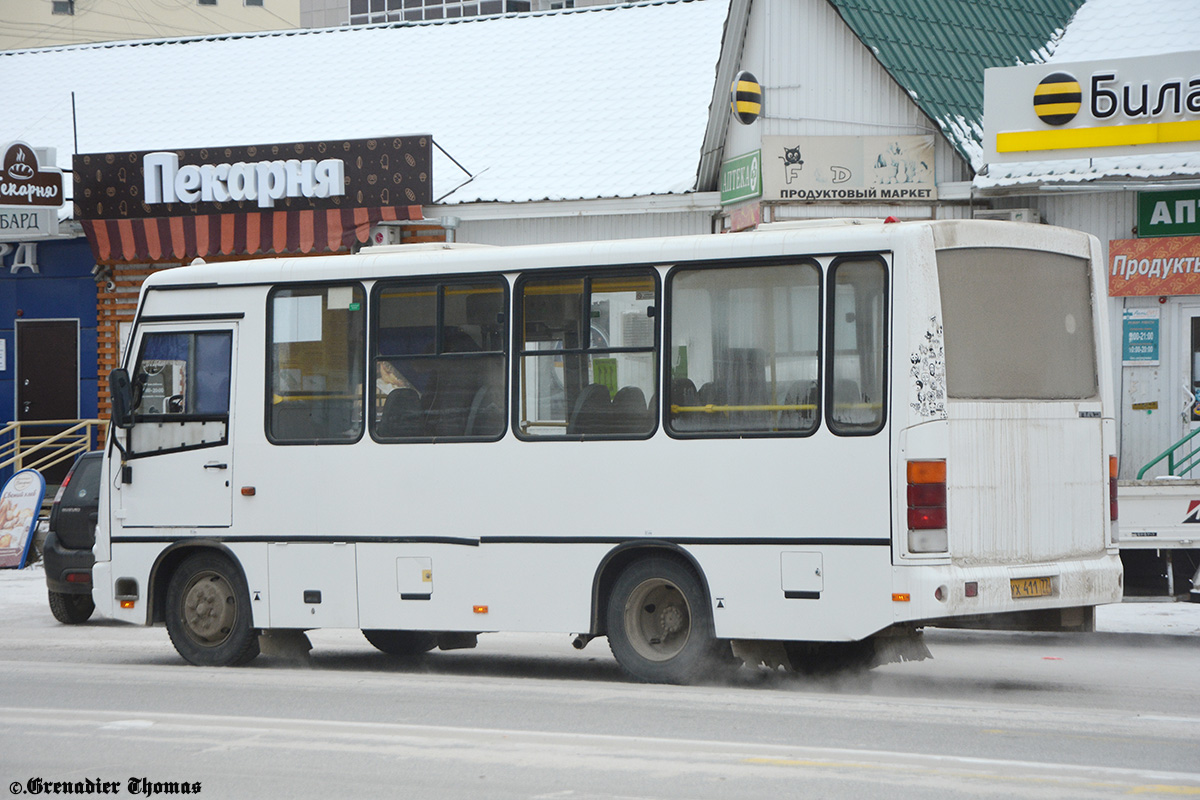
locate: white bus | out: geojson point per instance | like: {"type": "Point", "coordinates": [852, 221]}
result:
{"type": "Point", "coordinates": [804, 441]}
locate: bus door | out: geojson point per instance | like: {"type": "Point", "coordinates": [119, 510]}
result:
{"type": "Point", "coordinates": [178, 464]}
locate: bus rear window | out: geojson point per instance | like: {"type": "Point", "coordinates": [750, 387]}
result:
{"type": "Point", "coordinates": [1017, 325]}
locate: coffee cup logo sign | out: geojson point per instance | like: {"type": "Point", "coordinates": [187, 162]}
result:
{"type": "Point", "coordinates": [23, 182]}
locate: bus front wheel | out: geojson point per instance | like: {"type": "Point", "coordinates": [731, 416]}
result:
{"type": "Point", "coordinates": [208, 612]}
{"type": "Point", "coordinates": [659, 622]}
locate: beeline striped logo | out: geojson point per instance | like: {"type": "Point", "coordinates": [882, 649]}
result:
{"type": "Point", "coordinates": [1057, 98]}
{"type": "Point", "coordinates": [746, 98]}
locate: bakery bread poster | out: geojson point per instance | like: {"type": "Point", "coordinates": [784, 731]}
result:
{"type": "Point", "coordinates": [20, 503]}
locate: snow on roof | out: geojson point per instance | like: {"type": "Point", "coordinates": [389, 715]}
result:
{"type": "Point", "coordinates": [597, 102]}
{"type": "Point", "coordinates": [1104, 29]}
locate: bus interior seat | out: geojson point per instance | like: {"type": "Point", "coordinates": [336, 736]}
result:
{"type": "Point", "coordinates": [486, 417]}
{"type": "Point", "coordinates": [592, 411]}
{"type": "Point", "coordinates": [745, 374]}
{"type": "Point", "coordinates": [402, 414]}
{"type": "Point", "coordinates": [713, 394]}
{"type": "Point", "coordinates": [847, 391]}
{"type": "Point", "coordinates": [683, 393]}
{"type": "Point", "coordinates": [799, 393]}
{"type": "Point", "coordinates": [629, 411]}
{"type": "Point", "coordinates": [293, 421]}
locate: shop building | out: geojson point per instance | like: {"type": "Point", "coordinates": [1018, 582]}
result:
{"type": "Point", "coordinates": [1104, 137]}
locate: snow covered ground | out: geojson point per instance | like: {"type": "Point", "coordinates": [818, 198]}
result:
{"type": "Point", "coordinates": [24, 591]}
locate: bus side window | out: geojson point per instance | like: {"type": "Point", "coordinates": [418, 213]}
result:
{"type": "Point", "coordinates": [438, 349]}
{"type": "Point", "coordinates": [315, 363]}
{"type": "Point", "coordinates": [745, 350]}
{"type": "Point", "coordinates": [182, 377]}
{"type": "Point", "coordinates": [588, 355]}
{"type": "Point", "coordinates": [857, 333]}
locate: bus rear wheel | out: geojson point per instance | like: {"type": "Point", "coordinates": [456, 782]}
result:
{"type": "Point", "coordinates": [659, 622]}
{"type": "Point", "coordinates": [208, 612]}
{"type": "Point", "coordinates": [402, 643]}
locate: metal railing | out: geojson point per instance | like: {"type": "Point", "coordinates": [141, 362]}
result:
{"type": "Point", "coordinates": [1177, 466]}
{"type": "Point", "coordinates": [41, 444]}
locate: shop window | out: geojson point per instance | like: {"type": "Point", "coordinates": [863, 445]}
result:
{"type": "Point", "coordinates": [439, 360]}
{"type": "Point", "coordinates": [316, 357]}
{"type": "Point", "coordinates": [367, 12]}
{"type": "Point", "coordinates": [588, 359]}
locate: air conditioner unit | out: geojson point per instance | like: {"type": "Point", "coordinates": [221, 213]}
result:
{"type": "Point", "coordinates": [1009, 214]}
{"type": "Point", "coordinates": [385, 234]}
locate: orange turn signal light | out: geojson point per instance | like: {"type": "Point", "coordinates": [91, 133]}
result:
{"type": "Point", "coordinates": [901, 597]}
{"type": "Point", "coordinates": [479, 609]}
{"type": "Point", "coordinates": [127, 603]}
{"type": "Point", "coordinates": [926, 472]}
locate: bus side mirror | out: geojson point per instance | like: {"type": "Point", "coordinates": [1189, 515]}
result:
{"type": "Point", "coordinates": [121, 389]}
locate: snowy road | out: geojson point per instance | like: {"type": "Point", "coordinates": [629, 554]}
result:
{"type": "Point", "coordinates": [992, 715]}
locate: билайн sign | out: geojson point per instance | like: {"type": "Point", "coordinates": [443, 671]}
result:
{"type": "Point", "coordinates": [1092, 108]}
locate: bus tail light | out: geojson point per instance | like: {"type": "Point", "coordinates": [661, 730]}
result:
{"type": "Point", "coordinates": [927, 507]}
{"type": "Point", "coordinates": [1112, 488]}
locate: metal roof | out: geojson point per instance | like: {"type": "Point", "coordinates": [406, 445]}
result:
{"type": "Point", "coordinates": [604, 101]}
{"type": "Point", "coordinates": [937, 50]}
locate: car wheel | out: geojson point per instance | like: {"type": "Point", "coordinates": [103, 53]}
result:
{"type": "Point", "coordinates": [71, 609]}
{"type": "Point", "coordinates": [208, 612]}
{"type": "Point", "coordinates": [660, 624]}
{"type": "Point", "coordinates": [402, 643]}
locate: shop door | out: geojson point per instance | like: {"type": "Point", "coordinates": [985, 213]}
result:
{"type": "Point", "coordinates": [1191, 370]}
{"type": "Point", "coordinates": [48, 377]}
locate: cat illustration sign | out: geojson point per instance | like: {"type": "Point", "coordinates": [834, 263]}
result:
{"type": "Point", "coordinates": [840, 169]}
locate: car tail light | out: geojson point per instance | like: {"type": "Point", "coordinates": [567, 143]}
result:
{"type": "Point", "coordinates": [1112, 488]}
{"type": "Point", "coordinates": [58, 496]}
{"type": "Point", "coordinates": [927, 507]}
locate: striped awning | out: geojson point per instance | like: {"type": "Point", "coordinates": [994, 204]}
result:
{"type": "Point", "coordinates": [157, 239]}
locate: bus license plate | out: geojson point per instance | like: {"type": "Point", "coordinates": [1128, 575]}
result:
{"type": "Point", "coordinates": [1030, 587]}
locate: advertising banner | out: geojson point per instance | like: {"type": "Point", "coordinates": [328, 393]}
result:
{"type": "Point", "coordinates": [392, 171]}
{"type": "Point", "coordinates": [30, 195]}
{"type": "Point", "coordinates": [20, 503]}
{"type": "Point", "coordinates": [1087, 109]}
{"type": "Point", "coordinates": [1154, 267]}
{"type": "Point", "coordinates": [848, 169]}
{"type": "Point", "coordinates": [741, 178]}
{"type": "Point", "coordinates": [1140, 337]}
{"type": "Point", "coordinates": [1167, 213]}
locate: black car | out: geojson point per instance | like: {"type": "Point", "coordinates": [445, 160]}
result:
{"type": "Point", "coordinates": [67, 553]}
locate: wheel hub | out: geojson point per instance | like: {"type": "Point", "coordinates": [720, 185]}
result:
{"type": "Point", "coordinates": [658, 620]}
{"type": "Point", "coordinates": [208, 609]}
{"type": "Point", "coordinates": [671, 620]}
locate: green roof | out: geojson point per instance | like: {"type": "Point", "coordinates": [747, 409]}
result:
{"type": "Point", "coordinates": [937, 50]}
